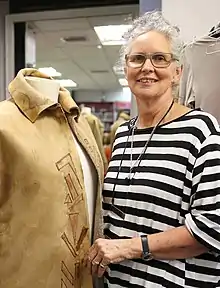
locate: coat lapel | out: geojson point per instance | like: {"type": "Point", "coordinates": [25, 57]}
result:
{"type": "Point", "coordinates": [86, 139]}
{"type": "Point", "coordinates": [84, 135]}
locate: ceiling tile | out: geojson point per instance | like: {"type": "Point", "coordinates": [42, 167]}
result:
{"type": "Point", "coordinates": [50, 55]}
{"type": "Point", "coordinates": [65, 24]}
{"type": "Point", "coordinates": [79, 61]}
{"type": "Point", "coordinates": [111, 19]}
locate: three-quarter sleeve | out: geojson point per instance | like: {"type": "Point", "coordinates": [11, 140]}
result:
{"type": "Point", "coordinates": [203, 219]}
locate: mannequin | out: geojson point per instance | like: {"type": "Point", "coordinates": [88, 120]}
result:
{"type": "Point", "coordinates": [51, 89]}
{"type": "Point", "coordinates": [45, 228]}
{"type": "Point", "coordinates": [45, 86]}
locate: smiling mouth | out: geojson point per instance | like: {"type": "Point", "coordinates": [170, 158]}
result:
{"type": "Point", "coordinates": [148, 81]}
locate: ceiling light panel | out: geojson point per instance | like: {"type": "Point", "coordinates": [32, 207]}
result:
{"type": "Point", "coordinates": [67, 83]}
{"type": "Point", "coordinates": [50, 71]}
{"type": "Point", "coordinates": [111, 34]}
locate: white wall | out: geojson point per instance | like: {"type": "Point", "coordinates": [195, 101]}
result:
{"type": "Point", "coordinates": [194, 17]}
{"type": "Point", "coordinates": [3, 11]}
{"type": "Point", "coordinates": [96, 96]}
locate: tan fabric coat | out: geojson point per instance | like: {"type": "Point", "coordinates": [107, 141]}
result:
{"type": "Point", "coordinates": [44, 231]}
{"type": "Point", "coordinates": [98, 132]}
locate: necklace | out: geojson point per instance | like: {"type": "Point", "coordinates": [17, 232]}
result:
{"type": "Point", "coordinates": [129, 179]}
{"type": "Point", "coordinates": [138, 161]}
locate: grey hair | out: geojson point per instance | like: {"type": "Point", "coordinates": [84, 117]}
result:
{"type": "Point", "coordinates": [152, 21]}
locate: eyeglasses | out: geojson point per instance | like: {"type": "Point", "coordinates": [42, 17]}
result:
{"type": "Point", "coordinates": [158, 60]}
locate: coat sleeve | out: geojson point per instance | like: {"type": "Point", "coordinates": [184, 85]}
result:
{"type": "Point", "coordinates": [203, 219]}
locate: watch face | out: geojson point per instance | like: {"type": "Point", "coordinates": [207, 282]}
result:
{"type": "Point", "coordinates": [148, 256]}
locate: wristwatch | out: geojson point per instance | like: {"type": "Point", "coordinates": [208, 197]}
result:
{"type": "Point", "coordinates": [146, 255]}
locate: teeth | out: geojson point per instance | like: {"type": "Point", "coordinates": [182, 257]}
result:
{"type": "Point", "coordinates": [147, 81]}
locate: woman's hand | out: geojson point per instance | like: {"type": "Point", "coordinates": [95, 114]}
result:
{"type": "Point", "coordinates": [104, 252]}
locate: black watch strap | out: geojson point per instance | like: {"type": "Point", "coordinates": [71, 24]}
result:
{"type": "Point", "coordinates": [146, 253]}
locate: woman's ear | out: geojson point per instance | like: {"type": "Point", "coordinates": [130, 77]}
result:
{"type": "Point", "coordinates": [125, 72]}
{"type": "Point", "coordinates": [177, 75]}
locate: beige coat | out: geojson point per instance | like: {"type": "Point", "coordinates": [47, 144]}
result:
{"type": "Point", "coordinates": [44, 231]}
{"type": "Point", "coordinates": [98, 132]}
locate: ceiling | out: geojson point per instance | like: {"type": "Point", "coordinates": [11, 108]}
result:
{"type": "Point", "coordinates": [81, 61]}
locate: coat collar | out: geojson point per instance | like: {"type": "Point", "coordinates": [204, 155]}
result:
{"type": "Point", "coordinates": [31, 102]}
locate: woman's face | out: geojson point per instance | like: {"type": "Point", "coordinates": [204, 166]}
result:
{"type": "Point", "coordinates": [148, 81]}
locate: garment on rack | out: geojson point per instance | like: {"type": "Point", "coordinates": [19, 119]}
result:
{"type": "Point", "coordinates": [123, 117]}
{"type": "Point", "coordinates": [200, 79]}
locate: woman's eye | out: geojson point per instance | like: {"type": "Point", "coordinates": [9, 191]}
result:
{"type": "Point", "coordinates": [139, 58]}
{"type": "Point", "coordinates": [159, 58]}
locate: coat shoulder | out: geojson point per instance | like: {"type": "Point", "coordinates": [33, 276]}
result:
{"type": "Point", "coordinates": [7, 107]}
{"type": "Point", "coordinates": [9, 112]}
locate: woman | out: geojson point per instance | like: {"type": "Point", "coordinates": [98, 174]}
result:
{"type": "Point", "coordinates": [162, 188]}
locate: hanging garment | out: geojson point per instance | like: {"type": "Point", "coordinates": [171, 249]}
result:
{"type": "Point", "coordinates": [123, 117]}
{"type": "Point", "coordinates": [200, 79]}
{"type": "Point", "coordinates": [44, 225]}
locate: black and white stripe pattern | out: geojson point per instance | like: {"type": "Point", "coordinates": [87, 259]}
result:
{"type": "Point", "coordinates": [177, 183]}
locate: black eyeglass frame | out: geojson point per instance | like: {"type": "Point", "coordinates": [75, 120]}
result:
{"type": "Point", "coordinates": [149, 56]}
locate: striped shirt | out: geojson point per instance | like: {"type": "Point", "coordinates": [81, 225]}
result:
{"type": "Point", "coordinates": [177, 183]}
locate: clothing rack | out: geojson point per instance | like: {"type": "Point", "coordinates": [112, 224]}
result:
{"type": "Point", "coordinates": [216, 30]}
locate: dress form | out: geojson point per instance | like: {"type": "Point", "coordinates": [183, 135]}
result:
{"type": "Point", "coordinates": [89, 174]}
{"type": "Point", "coordinates": [44, 220]}
{"type": "Point", "coordinates": [50, 88]}
{"type": "Point", "coordinates": [47, 87]}
{"type": "Point", "coordinates": [90, 182]}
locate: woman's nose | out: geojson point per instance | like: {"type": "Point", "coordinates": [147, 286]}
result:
{"type": "Point", "coordinates": [148, 66]}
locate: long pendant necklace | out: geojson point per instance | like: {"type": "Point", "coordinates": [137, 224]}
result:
{"type": "Point", "coordinates": [129, 179]}
{"type": "Point", "coordinates": [138, 161]}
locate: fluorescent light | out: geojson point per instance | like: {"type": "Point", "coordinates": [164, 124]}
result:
{"type": "Point", "coordinates": [123, 82]}
{"type": "Point", "coordinates": [111, 34]}
{"type": "Point", "coordinates": [50, 71]}
{"type": "Point", "coordinates": [66, 83]}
